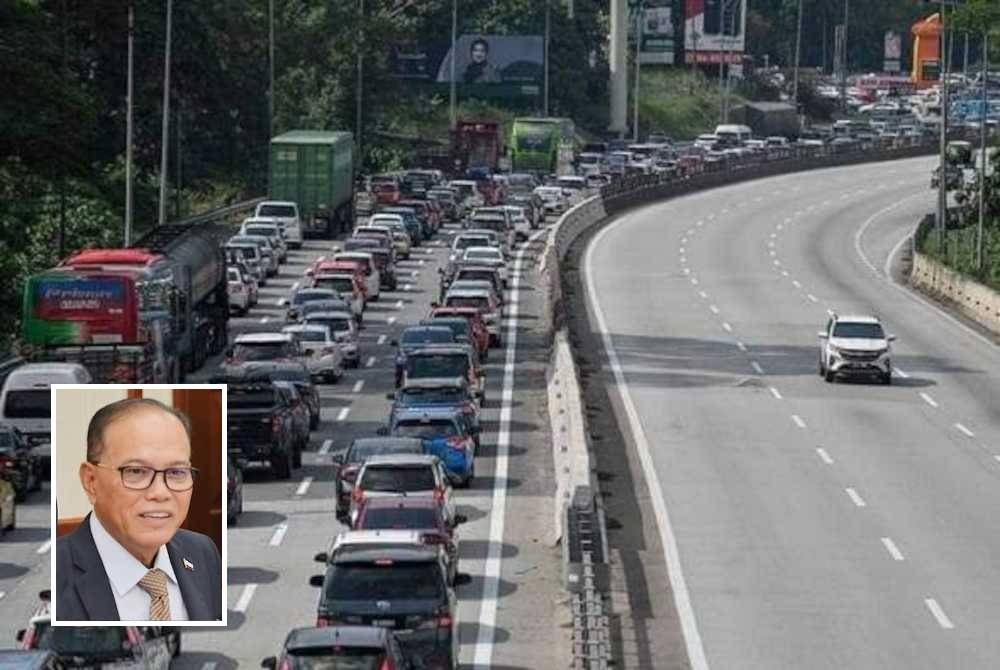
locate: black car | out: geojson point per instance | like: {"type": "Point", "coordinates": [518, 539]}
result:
{"type": "Point", "coordinates": [19, 463]}
{"type": "Point", "coordinates": [260, 424]}
{"type": "Point", "coordinates": [282, 371]}
{"type": "Point", "coordinates": [234, 487]}
{"type": "Point", "coordinates": [349, 462]}
{"type": "Point", "coordinates": [402, 588]}
{"type": "Point", "coordinates": [361, 647]}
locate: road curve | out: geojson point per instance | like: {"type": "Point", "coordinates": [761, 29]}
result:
{"type": "Point", "coordinates": [806, 525]}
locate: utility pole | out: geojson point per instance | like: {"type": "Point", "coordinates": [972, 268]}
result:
{"type": "Point", "coordinates": [722, 61]}
{"type": "Point", "coordinates": [942, 172]}
{"type": "Point", "coordinates": [270, 87]}
{"type": "Point", "coordinates": [453, 92]}
{"type": "Point", "coordinates": [638, 72]}
{"type": "Point", "coordinates": [545, 84]}
{"type": "Point", "coordinates": [165, 130]}
{"type": "Point", "coordinates": [798, 53]}
{"type": "Point", "coordinates": [843, 71]}
{"type": "Point", "coordinates": [359, 89]}
{"type": "Point", "coordinates": [965, 61]}
{"type": "Point", "coordinates": [618, 67]}
{"type": "Point", "coordinates": [982, 151]}
{"type": "Point", "coordinates": [128, 125]}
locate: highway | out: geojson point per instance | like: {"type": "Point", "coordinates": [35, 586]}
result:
{"type": "Point", "coordinates": [510, 614]}
{"type": "Point", "coordinates": [804, 524]}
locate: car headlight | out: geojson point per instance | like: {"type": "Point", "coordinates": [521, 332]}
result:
{"type": "Point", "coordinates": [834, 350]}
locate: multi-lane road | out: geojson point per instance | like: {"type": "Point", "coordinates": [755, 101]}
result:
{"type": "Point", "coordinates": [510, 614]}
{"type": "Point", "coordinates": [803, 524]}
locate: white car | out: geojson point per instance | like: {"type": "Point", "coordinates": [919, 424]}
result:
{"type": "Point", "coordinates": [343, 284]}
{"type": "Point", "coordinates": [855, 345]}
{"type": "Point", "coordinates": [409, 475]}
{"type": "Point", "coordinates": [522, 227]}
{"type": "Point", "coordinates": [250, 347]}
{"type": "Point", "coordinates": [373, 278]}
{"type": "Point", "coordinates": [270, 229]}
{"type": "Point", "coordinates": [286, 213]}
{"type": "Point", "coordinates": [324, 357]}
{"type": "Point", "coordinates": [490, 256]}
{"type": "Point", "coordinates": [552, 196]}
{"type": "Point", "coordinates": [239, 292]}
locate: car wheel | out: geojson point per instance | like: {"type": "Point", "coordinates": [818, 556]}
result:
{"type": "Point", "coordinates": [828, 376]}
{"type": "Point", "coordinates": [313, 421]}
{"type": "Point", "coordinates": [175, 643]}
{"type": "Point", "coordinates": [282, 465]}
{"type": "Point", "coordinates": [297, 457]}
{"type": "Point", "coordinates": [887, 378]}
{"type": "Point", "coordinates": [13, 519]}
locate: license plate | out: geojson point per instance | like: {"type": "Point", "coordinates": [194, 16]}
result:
{"type": "Point", "coordinates": [384, 623]}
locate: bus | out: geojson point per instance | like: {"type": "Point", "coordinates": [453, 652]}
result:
{"type": "Point", "coordinates": [543, 145]}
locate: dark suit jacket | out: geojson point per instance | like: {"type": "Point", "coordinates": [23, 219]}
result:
{"type": "Point", "coordinates": [83, 590]}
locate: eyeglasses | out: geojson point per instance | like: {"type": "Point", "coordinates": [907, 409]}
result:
{"type": "Point", "coordinates": [140, 477]}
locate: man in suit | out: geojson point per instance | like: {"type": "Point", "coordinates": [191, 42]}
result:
{"type": "Point", "coordinates": [129, 560]}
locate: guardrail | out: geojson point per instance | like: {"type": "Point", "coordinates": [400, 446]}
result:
{"type": "Point", "coordinates": [227, 215]}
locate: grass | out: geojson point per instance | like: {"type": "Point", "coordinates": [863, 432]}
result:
{"type": "Point", "coordinates": [681, 103]}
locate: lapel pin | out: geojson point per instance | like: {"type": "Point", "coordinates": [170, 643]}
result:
{"type": "Point", "coordinates": [188, 564]}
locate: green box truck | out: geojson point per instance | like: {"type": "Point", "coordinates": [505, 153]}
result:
{"type": "Point", "coordinates": [315, 169]}
{"type": "Point", "coordinates": [543, 145]}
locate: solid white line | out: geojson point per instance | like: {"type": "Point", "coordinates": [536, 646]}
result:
{"type": "Point", "coordinates": [371, 362]}
{"type": "Point", "coordinates": [44, 549]}
{"type": "Point", "coordinates": [963, 429]}
{"type": "Point", "coordinates": [715, 310]}
{"type": "Point", "coordinates": [382, 338]}
{"type": "Point", "coordinates": [798, 421]}
{"type": "Point", "coordinates": [893, 550]}
{"type": "Point", "coordinates": [811, 297]}
{"type": "Point", "coordinates": [901, 373]}
{"type": "Point", "coordinates": [279, 534]}
{"type": "Point", "coordinates": [742, 347]}
{"type": "Point", "coordinates": [358, 385]}
{"type": "Point", "coordinates": [824, 456]}
{"type": "Point", "coordinates": [929, 400]}
{"type": "Point", "coordinates": [344, 411]}
{"type": "Point", "coordinates": [399, 304]}
{"type": "Point", "coordinates": [498, 508]}
{"type": "Point", "coordinates": [325, 449]}
{"type": "Point", "coordinates": [244, 602]}
{"type": "Point", "coordinates": [860, 232]}
{"type": "Point", "coordinates": [939, 614]}
{"type": "Point", "coordinates": [855, 498]}
{"type": "Point", "coordinates": [682, 600]}
{"type": "Point", "coordinates": [391, 320]}
{"type": "Point", "coordinates": [775, 393]}
{"type": "Point", "coordinates": [727, 327]}
{"type": "Point", "coordinates": [756, 367]}
{"type": "Point", "coordinates": [303, 486]}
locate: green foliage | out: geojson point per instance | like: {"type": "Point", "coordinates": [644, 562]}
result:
{"type": "Point", "coordinates": [681, 103]}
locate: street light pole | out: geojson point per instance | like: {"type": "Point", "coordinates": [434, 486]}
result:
{"type": "Point", "coordinates": [359, 86]}
{"type": "Point", "coordinates": [270, 86]}
{"type": "Point", "coordinates": [843, 71]}
{"type": "Point", "coordinates": [722, 62]}
{"type": "Point", "coordinates": [638, 72]}
{"type": "Point", "coordinates": [128, 125]}
{"type": "Point", "coordinates": [982, 148]}
{"type": "Point", "coordinates": [545, 84]}
{"type": "Point", "coordinates": [165, 130]}
{"type": "Point", "coordinates": [453, 93]}
{"type": "Point", "coordinates": [943, 141]}
{"type": "Point", "coordinates": [798, 52]}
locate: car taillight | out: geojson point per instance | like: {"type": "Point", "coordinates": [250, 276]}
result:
{"type": "Point", "coordinates": [358, 495]}
{"type": "Point", "coordinates": [438, 493]}
{"type": "Point", "coordinates": [322, 622]}
{"type": "Point", "coordinates": [444, 618]}
{"type": "Point", "coordinates": [285, 664]}
{"type": "Point", "coordinates": [386, 664]}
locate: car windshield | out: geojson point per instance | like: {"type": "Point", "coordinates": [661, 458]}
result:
{"type": "Point", "coordinates": [479, 302]}
{"type": "Point", "coordinates": [81, 641]}
{"type": "Point", "coordinates": [437, 365]}
{"type": "Point", "coordinates": [442, 395]}
{"type": "Point", "coordinates": [399, 518]}
{"type": "Point", "coordinates": [333, 658]}
{"type": "Point", "coordinates": [871, 331]}
{"type": "Point", "coordinates": [276, 210]}
{"type": "Point", "coordinates": [249, 398]}
{"type": "Point", "coordinates": [337, 324]}
{"type": "Point", "coordinates": [466, 242]}
{"type": "Point", "coordinates": [27, 404]}
{"type": "Point", "coordinates": [233, 275]}
{"type": "Point", "coordinates": [263, 351]}
{"type": "Point", "coordinates": [267, 231]}
{"type": "Point", "coordinates": [339, 284]}
{"type": "Point", "coordinates": [427, 430]}
{"type": "Point", "coordinates": [7, 441]}
{"type": "Point", "coordinates": [483, 254]}
{"type": "Point", "coordinates": [475, 275]}
{"type": "Point", "coordinates": [458, 328]}
{"type": "Point", "coordinates": [391, 581]}
{"type": "Point", "coordinates": [363, 450]}
{"type": "Point", "coordinates": [398, 478]}
{"type": "Point", "coordinates": [310, 335]}
{"type": "Point", "coordinates": [308, 296]}
{"type": "Point", "coordinates": [427, 336]}
{"type": "Point", "coordinates": [245, 252]}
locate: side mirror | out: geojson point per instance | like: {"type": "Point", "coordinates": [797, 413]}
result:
{"type": "Point", "coordinates": [270, 662]}
{"type": "Point", "coordinates": [321, 557]}
{"type": "Point", "coordinates": [462, 579]}
{"type": "Point", "coordinates": [316, 580]}
{"type": "Point", "coordinates": [459, 519]}
{"type": "Point", "coordinates": [45, 595]}
{"type": "Point", "coordinates": [390, 396]}
{"type": "Point", "coordinates": [394, 343]}
{"type": "Point", "coordinates": [891, 338]}
{"type": "Point", "coordinates": [822, 334]}
{"type": "Point", "coordinates": [20, 635]}
{"type": "Point", "coordinates": [338, 459]}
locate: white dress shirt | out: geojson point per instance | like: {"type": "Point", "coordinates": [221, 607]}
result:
{"type": "Point", "coordinates": [124, 572]}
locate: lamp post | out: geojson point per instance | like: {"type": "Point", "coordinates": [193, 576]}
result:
{"type": "Point", "coordinates": [452, 89]}
{"type": "Point", "coordinates": [798, 52]}
{"type": "Point", "coordinates": [545, 83]}
{"type": "Point", "coordinates": [982, 148]}
{"type": "Point", "coordinates": [359, 86]}
{"type": "Point", "coordinates": [638, 72]}
{"type": "Point", "coordinates": [165, 129]}
{"type": "Point", "coordinates": [943, 139]}
{"type": "Point", "coordinates": [128, 125]}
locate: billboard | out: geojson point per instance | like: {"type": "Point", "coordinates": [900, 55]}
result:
{"type": "Point", "coordinates": [714, 31]}
{"type": "Point", "coordinates": [893, 51]}
{"type": "Point", "coordinates": [657, 32]}
{"type": "Point", "coordinates": [509, 63]}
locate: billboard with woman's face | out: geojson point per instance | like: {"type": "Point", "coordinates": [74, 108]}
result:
{"type": "Point", "coordinates": [479, 59]}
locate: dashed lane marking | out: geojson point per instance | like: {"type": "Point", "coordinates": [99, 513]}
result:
{"type": "Point", "coordinates": [798, 421]}
{"type": "Point", "coordinates": [382, 338]}
{"type": "Point", "coordinates": [775, 393]}
{"type": "Point", "coordinates": [344, 411]}
{"type": "Point", "coordinates": [825, 457]}
{"type": "Point", "coordinates": [44, 549]}
{"type": "Point", "coordinates": [303, 486]}
{"type": "Point", "coordinates": [756, 367]}
{"type": "Point", "coordinates": [391, 320]}
{"type": "Point", "coordinates": [929, 400]}
{"type": "Point", "coordinates": [358, 385]}
{"type": "Point", "coordinates": [715, 310]}
{"type": "Point", "coordinates": [244, 601]}
{"type": "Point", "coordinates": [279, 535]}
{"type": "Point", "coordinates": [893, 550]}
{"type": "Point", "coordinates": [727, 327]}
{"type": "Point", "coordinates": [325, 448]}
{"type": "Point", "coordinates": [855, 498]}
{"type": "Point", "coordinates": [938, 614]}
{"type": "Point", "coordinates": [962, 429]}
{"type": "Point", "coordinates": [812, 298]}
{"type": "Point", "coordinates": [370, 362]}
{"type": "Point", "coordinates": [265, 319]}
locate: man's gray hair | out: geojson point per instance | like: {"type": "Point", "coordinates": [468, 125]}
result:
{"type": "Point", "coordinates": [118, 409]}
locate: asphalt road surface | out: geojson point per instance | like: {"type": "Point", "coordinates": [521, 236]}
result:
{"type": "Point", "coordinates": [511, 614]}
{"type": "Point", "coordinates": [805, 524]}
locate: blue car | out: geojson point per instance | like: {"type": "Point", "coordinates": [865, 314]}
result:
{"type": "Point", "coordinates": [446, 433]}
{"type": "Point", "coordinates": [410, 222]}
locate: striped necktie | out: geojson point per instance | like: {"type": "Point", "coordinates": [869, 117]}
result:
{"type": "Point", "coordinates": [155, 584]}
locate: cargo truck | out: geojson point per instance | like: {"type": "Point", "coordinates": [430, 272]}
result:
{"type": "Point", "coordinates": [543, 145]}
{"type": "Point", "coordinates": [316, 170]}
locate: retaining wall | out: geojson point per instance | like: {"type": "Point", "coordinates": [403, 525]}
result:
{"type": "Point", "coordinates": [977, 301]}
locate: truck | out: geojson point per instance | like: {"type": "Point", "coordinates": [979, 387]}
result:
{"type": "Point", "coordinates": [316, 170]}
{"type": "Point", "coordinates": [543, 145]}
{"type": "Point", "coordinates": [476, 144]}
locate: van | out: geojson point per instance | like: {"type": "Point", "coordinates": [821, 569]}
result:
{"type": "Point", "coordinates": [287, 214]}
{"type": "Point", "coordinates": [24, 400]}
{"type": "Point", "coordinates": [733, 135]}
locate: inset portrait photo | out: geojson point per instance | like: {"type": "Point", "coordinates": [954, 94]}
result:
{"type": "Point", "coordinates": [138, 505]}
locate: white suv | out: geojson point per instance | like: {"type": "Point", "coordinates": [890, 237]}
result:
{"type": "Point", "coordinates": [287, 213]}
{"type": "Point", "coordinates": [855, 345]}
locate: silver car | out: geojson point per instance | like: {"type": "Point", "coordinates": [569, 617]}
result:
{"type": "Point", "coordinates": [323, 354]}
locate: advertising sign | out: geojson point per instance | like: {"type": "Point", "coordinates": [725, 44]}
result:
{"type": "Point", "coordinates": [657, 25]}
{"type": "Point", "coordinates": [714, 31]}
{"type": "Point", "coordinates": [893, 51]}
{"type": "Point", "coordinates": [81, 299]}
{"type": "Point", "coordinates": [61, 311]}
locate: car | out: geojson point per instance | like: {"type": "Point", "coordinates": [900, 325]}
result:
{"type": "Point", "coordinates": [285, 213]}
{"type": "Point", "coordinates": [8, 504]}
{"type": "Point", "coordinates": [855, 345]}
{"type": "Point", "coordinates": [348, 286]}
{"type": "Point", "coordinates": [489, 273]}
{"type": "Point", "coordinates": [260, 425]}
{"type": "Point", "coordinates": [553, 199]}
{"type": "Point", "coordinates": [270, 229]}
{"type": "Point", "coordinates": [270, 257]}
{"type": "Point", "coordinates": [410, 222]}
{"type": "Point", "coordinates": [438, 361]}
{"type": "Point", "coordinates": [25, 398]}
{"type": "Point", "coordinates": [382, 252]}
{"type": "Point", "coordinates": [482, 300]}
{"type": "Point", "coordinates": [415, 337]}
{"type": "Point", "coordinates": [238, 290]}
{"type": "Point", "coordinates": [344, 330]}
{"type": "Point", "coordinates": [372, 276]}
{"type": "Point", "coordinates": [488, 256]}
{"type": "Point", "coordinates": [468, 284]}
{"type": "Point", "coordinates": [249, 278]}
{"type": "Point", "coordinates": [23, 659]}
{"type": "Point", "coordinates": [452, 393]}
{"type": "Point", "coordinates": [350, 461]}
{"type": "Point", "coordinates": [300, 419]}
{"type": "Point", "coordinates": [412, 476]}
{"type": "Point", "coordinates": [446, 433]}
{"type": "Point", "coordinates": [324, 357]}
{"type": "Point", "coordinates": [401, 585]}
{"type": "Point", "coordinates": [402, 242]}
{"type": "Point", "coordinates": [234, 488]}
{"type": "Point", "coordinates": [251, 347]}
{"type": "Point", "coordinates": [293, 371]}
{"type": "Point", "coordinates": [423, 515]}
{"type": "Point", "coordinates": [302, 296]}
{"type": "Point", "coordinates": [477, 332]}
{"type": "Point", "coordinates": [334, 647]}
{"type": "Point", "coordinates": [250, 254]}
{"type": "Point", "coordinates": [18, 463]}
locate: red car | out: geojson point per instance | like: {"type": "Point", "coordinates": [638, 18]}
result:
{"type": "Point", "coordinates": [424, 212]}
{"type": "Point", "coordinates": [386, 190]}
{"type": "Point", "coordinates": [480, 336]}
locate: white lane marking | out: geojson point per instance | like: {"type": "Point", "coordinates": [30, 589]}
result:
{"type": "Point", "coordinates": [303, 486]}
{"type": "Point", "coordinates": [279, 534]}
{"type": "Point", "coordinates": [778, 227]}
{"type": "Point", "coordinates": [682, 251]}
{"type": "Point", "coordinates": [774, 392]}
{"type": "Point", "coordinates": [694, 281]}
{"type": "Point", "coordinates": [2, 594]}
{"type": "Point", "coordinates": [325, 449]}
{"type": "Point", "coordinates": [855, 498]}
{"type": "Point", "coordinates": [824, 456]}
{"type": "Point", "coordinates": [244, 602]}
{"type": "Point", "coordinates": [796, 283]}
{"type": "Point", "coordinates": [684, 260]}
{"type": "Point", "coordinates": [422, 261]}
{"type": "Point", "coordinates": [399, 304]}
{"type": "Point", "coordinates": [798, 421]}
{"type": "Point", "coordinates": [784, 273]}
{"type": "Point", "coordinates": [771, 243]}
{"type": "Point", "coordinates": [265, 319]}
{"type": "Point", "coordinates": [715, 310]}
{"type": "Point", "coordinates": [893, 550]}
{"type": "Point", "coordinates": [391, 320]}
{"type": "Point", "coordinates": [209, 665]}
{"type": "Point", "coordinates": [703, 295]}
{"type": "Point", "coordinates": [963, 429]}
{"type": "Point", "coordinates": [742, 347]}
{"type": "Point", "coordinates": [687, 271]}
{"type": "Point", "coordinates": [682, 599]}
{"type": "Point", "coordinates": [772, 252]}
{"type": "Point", "coordinates": [295, 287]}
{"type": "Point", "coordinates": [929, 400]}
{"type": "Point", "coordinates": [811, 297]}
{"type": "Point", "coordinates": [344, 411]}
{"type": "Point", "coordinates": [700, 224]}
{"type": "Point", "coordinates": [415, 273]}
{"type": "Point", "coordinates": [830, 312]}
{"type": "Point", "coordinates": [756, 367]}
{"type": "Point", "coordinates": [777, 263]}
{"type": "Point", "coordinates": [358, 385]}
{"type": "Point", "coordinates": [407, 287]}
{"type": "Point", "coordinates": [382, 338]}
{"type": "Point", "coordinates": [371, 362]}
{"type": "Point", "coordinates": [491, 570]}
{"type": "Point", "coordinates": [901, 373]}
{"type": "Point", "coordinates": [44, 549]}
{"type": "Point", "coordinates": [939, 614]}
{"type": "Point", "coordinates": [727, 327]}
